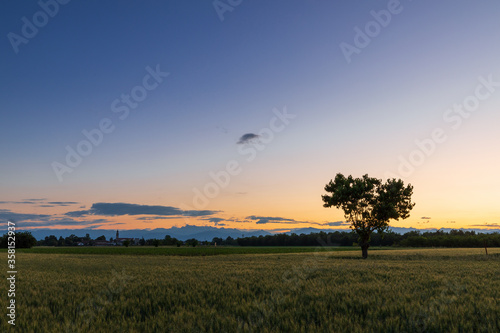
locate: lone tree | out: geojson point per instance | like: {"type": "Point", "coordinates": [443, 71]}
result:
{"type": "Point", "coordinates": [369, 204]}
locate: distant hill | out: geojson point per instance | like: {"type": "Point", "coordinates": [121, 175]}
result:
{"type": "Point", "coordinates": [203, 233]}
{"type": "Point", "coordinates": [186, 232]}
{"type": "Point", "coordinates": [397, 230]}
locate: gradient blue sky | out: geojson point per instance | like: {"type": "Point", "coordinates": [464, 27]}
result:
{"type": "Point", "coordinates": [226, 78]}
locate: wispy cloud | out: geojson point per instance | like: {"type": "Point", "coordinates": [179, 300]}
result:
{"type": "Point", "coordinates": [63, 222]}
{"type": "Point", "coordinates": [78, 213]}
{"type": "Point", "coordinates": [62, 203]}
{"type": "Point", "coordinates": [486, 225]}
{"type": "Point", "coordinates": [40, 202]}
{"type": "Point", "coordinates": [9, 215]}
{"type": "Point", "coordinates": [425, 218]}
{"type": "Point", "coordinates": [337, 224]}
{"type": "Point", "coordinates": [152, 218]}
{"type": "Point", "coordinates": [217, 221]}
{"type": "Point", "coordinates": [32, 200]}
{"type": "Point", "coordinates": [282, 220]}
{"type": "Point", "coordinates": [118, 209]}
{"type": "Point", "coordinates": [199, 212]}
{"type": "Point", "coordinates": [269, 219]}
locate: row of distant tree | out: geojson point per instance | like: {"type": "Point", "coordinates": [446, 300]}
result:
{"type": "Point", "coordinates": [74, 240]}
{"type": "Point", "coordinates": [454, 238]}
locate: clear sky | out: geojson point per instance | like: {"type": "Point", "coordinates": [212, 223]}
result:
{"type": "Point", "coordinates": [149, 114]}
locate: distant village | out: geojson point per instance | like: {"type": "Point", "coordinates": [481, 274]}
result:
{"type": "Point", "coordinates": [88, 241]}
{"type": "Point", "coordinates": [73, 240]}
{"type": "Point", "coordinates": [101, 241]}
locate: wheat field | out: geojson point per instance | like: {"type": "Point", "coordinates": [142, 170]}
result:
{"type": "Point", "coordinates": [425, 290]}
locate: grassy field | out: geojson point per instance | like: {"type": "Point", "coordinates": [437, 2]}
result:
{"type": "Point", "coordinates": [431, 290]}
{"type": "Point", "coordinates": [185, 251]}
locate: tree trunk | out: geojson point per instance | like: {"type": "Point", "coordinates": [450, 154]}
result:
{"type": "Point", "coordinates": [364, 249]}
{"type": "Point", "coordinates": [365, 244]}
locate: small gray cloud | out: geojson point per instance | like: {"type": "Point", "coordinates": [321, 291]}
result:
{"type": "Point", "coordinates": [269, 219]}
{"type": "Point", "coordinates": [63, 222]}
{"type": "Point", "coordinates": [337, 224]}
{"type": "Point", "coordinates": [199, 212]}
{"type": "Point", "coordinates": [62, 203]}
{"type": "Point", "coordinates": [40, 202]}
{"type": "Point", "coordinates": [78, 213]}
{"type": "Point", "coordinates": [152, 218]}
{"type": "Point", "coordinates": [215, 220]}
{"type": "Point", "coordinates": [23, 202]}
{"type": "Point", "coordinates": [247, 138]}
{"type": "Point", "coordinates": [487, 225]}
{"type": "Point", "coordinates": [425, 218]}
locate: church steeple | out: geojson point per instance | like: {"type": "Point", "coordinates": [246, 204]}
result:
{"type": "Point", "coordinates": [117, 234]}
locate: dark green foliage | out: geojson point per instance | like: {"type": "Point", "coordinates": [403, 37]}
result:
{"type": "Point", "coordinates": [191, 242]}
{"type": "Point", "coordinates": [228, 241]}
{"type": "Point", "coordinates": [71, 240]}
{"type": "Point", "coordinates": [369, 204]}
{"type": "Point", "coordinates": [455, 238]}
{"type": "Point", "coordinates": [49, 241]}
{"type": "Point", "coordinates": [168, 241]}
{"type": "Point", "coordinates": [23, 240]}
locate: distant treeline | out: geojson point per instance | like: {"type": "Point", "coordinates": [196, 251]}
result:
{"type": "Point", "coordinates": [20, 240]}
{"type": "Point", "coordinates": [454, 238]}
{"type": "Point", "coordinates": [73, 240]}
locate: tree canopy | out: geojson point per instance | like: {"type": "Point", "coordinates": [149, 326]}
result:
{"type": "Point", "coordinates": [23, 239]}
{"type": "Point", "coordinates": [368, 203]}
